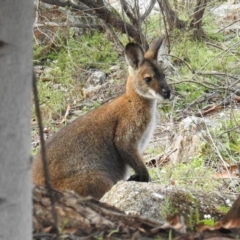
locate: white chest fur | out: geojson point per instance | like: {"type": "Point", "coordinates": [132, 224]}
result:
{"type": "Point", "coordinates": [147, 135]}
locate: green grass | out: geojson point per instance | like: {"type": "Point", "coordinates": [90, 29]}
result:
{"type": "Point", "coordinates": [220, 145]}
{"type": "Point", "coordinates": [192, 172]}
{"type": "Point", "coordinates": [214, 54]}
{"type": "Point", "coordinates": [69, 63]}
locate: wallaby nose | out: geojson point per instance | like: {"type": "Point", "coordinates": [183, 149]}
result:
{"type": "Point", "coordinates": [166, 93]}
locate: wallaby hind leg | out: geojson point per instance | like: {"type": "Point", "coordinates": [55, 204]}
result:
{"type": "Point", "coordinates": [91, 183]}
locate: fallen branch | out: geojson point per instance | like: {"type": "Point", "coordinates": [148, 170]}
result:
{"type": "Point", "coordinates": [203, 85]}
{"type": "Point", "coordinates": [228, 25]}
{"type": "Point", "coordinates": [76, 25]}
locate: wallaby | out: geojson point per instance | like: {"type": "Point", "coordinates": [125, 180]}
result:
{"type": "Point", "coordinates": [95, 151]}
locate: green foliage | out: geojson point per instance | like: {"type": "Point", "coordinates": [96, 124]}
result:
{"type": "Point", "coordinates": [34, 151]}
{"type": "Point", "coordinates": [90, 52]}
{"type": "Point", "coordinates": [208, 222]}
{"type": "Point", "coordinates": [223, 209]}
{"type": "Point", "coordinates": [196, 56]}
{"type": "Point", "coordinates": [112, 233]}
{"type": "Point", "coordinates": [185, 174]}
{"type": "Point", "coordinates": [153, 26]}
{"type": "Point", "coordinates": [226, 139]}
{"type": "Point", "coordinates": [69, 61]}
{"type": "Point", "coordinates": [154, 151]}
{"type": "Point", "coordinates": [53, 103]}
{"type": "Point", "coordinates": [168, 209]}
{"type": "Point", "coordinates": [211, 30]}
{"type": "Point", "coordinates": [153, 172]}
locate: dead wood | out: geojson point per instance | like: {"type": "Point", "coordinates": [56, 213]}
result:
{"type": "Point", "coordinates": [196, 22]}
{"type": "Point", "coordinates": [98, 9]}
{"type": "Point", "coordinates": [171, 16]}
{"type": "Point", "coordinates": [86, 218]}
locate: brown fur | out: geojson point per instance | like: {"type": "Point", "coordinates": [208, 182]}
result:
{"type": "Point", "coordinates": [93, 152]}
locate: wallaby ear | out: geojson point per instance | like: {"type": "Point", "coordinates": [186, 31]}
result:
{"type": "Point", "coordinates": [134, 55]}
{"type": "Point", "coordinates": [155, 46]}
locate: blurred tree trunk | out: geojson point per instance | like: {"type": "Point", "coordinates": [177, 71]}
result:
{"type": "Point", "coordinates": [195, 21]}
{"type": "Point", "coordinates": [171, 16]}
{"type": "Point", "coordinates": [16, 19]}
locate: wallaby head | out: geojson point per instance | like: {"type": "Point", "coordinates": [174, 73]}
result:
{"type": "Point", "coordinates": [93, 152]}
{"type": "Point", "coordinates": [145, 71]}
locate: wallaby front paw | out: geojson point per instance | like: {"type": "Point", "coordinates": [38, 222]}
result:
{"type": "Point", "coordinates": [134, 177]}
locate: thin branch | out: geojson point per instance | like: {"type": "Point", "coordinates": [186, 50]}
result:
{"type": "Point", "coordinates": [165, 26]}
{"type": "Point", "coordinates": [127, 10]}
{"type": "Point", "coordinates": [202, 84]}
{"type": "Point", "coordinates": [189, 67]}
{"type": "Point", "coordinates": [216, 56]}
{"type": "Point", "coordinates": [98, 9]}
{"type": "Point", "coordinates": [103, 13]}
{"type": "Point", "coordinates": [228, 25]}
{"type": "Point", "coordinates": [124, 21]}
{"type": "Point", "coordinates": [44, 155]}
{"type": "Point", "coordinates": [68, 3]}
{"type": "Point", "coordinates": [221, 48]}
{"type": "Point", "coordinates": [217, 73]}
{"type": "Point", "coordinates": [117, 42]}
{"type": "Point", "coordinates": [227, 131]}
{"type": "Point", "coordinates": [53, 24]}
{"type": "Point", "coordinates": [191, 81]}
{"type": "Point", "coordinates": [148, 10]}
{"type": "Point", "coordinates": [171, 16]}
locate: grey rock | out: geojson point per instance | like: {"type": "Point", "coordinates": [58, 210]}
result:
{"type": "Point", "coordinates": [96, 78]}
{"type": "Point", "coordinates": [155, 201]}
{"type": "Point", "coordinates": [114, 68]}
{"type": "Point", "coordinates": [223, 9]}
{"type": "Point", "coordinates": [185, 144]}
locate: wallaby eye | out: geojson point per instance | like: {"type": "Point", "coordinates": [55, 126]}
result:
{"type": "Point", "coordinates": [148, 79]}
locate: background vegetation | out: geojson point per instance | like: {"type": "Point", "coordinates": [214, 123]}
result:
{"type": "Point", "coordinates": [205, 82]}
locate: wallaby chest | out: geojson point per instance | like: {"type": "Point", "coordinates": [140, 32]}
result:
{"type": "Point", "coordinates": [148, 133]}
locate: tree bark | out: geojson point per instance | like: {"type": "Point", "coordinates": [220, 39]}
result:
{"type": "Point", "coordinates": [16, 19]}
{"type": "Point", "coordinates": [171, 16]}
{"type": "Point", "coordinates": [98, 9]}
{"type": "Point", "coordinates": [102, 12]}
{"type": "Point", "coordinates": [196, 22]}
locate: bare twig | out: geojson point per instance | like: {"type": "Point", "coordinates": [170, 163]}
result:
{"type": "Point", "coordinates": [221, 48]}
{"type": "Point", "coordinates": [202, 84]}
{"type": "Point", "coordinates": [171, 16]}
{"type": "Point", "coordinates": [217, 73]}
{"type": "Point", "coordinates": [44, 155]}
{"type": "Point", "coordinates": [228, 25]}
{"type": "Point", "coordinates": [66, 114]}
{"type": "Point", "coordinates": [99, 10]}
{"type": "Point", "coordinates": [148, 10]}
{"type": "Point", "coordinates": [113, 35]}
{"type": "Point", "coordinates": [189, 67]}
{"type": "Point", "coordinates": [165, 26]}
{"type": "Point", "coordinates": [124, 21]}
{"type": "Point", "coordinates": [129, 13]}
{"type": "Point", "coordinates": [76, 25]}
{"type": "Point", "coordinates": [67, 3]}
{"type": "Point", "coordinates": [228, 131]}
